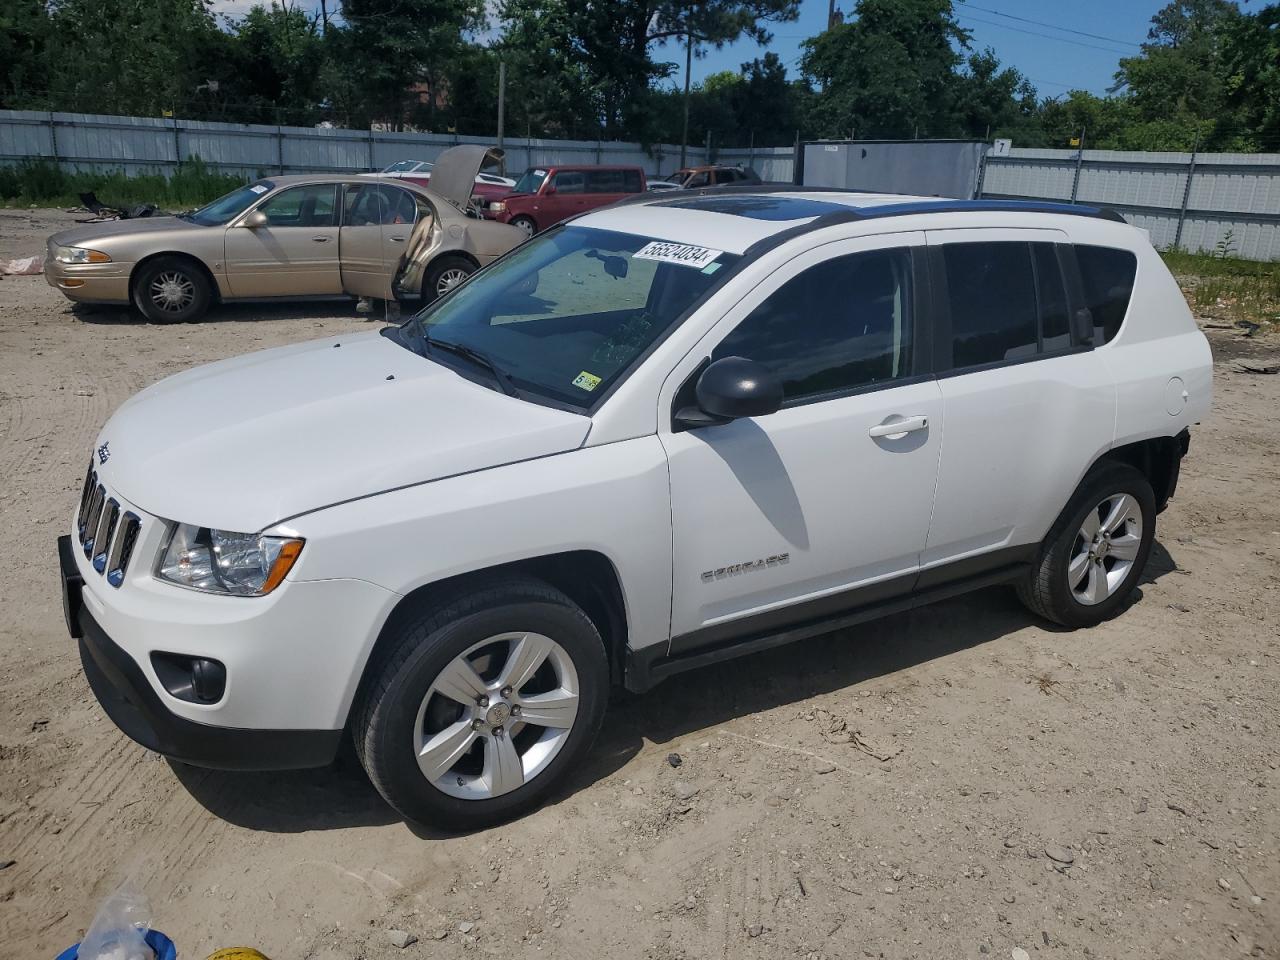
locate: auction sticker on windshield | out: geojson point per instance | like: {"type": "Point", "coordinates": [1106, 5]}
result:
{"type": "Point", "coordinates": [684, 254]}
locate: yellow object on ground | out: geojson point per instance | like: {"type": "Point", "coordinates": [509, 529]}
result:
{"type": "Point", "coordinates": [237, 953]}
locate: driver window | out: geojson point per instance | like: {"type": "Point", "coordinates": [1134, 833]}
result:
{"type": "Point", "coordinates": [698, 180]}
{"type": "Point", "coordinates": [309, 206]}
{"type": "Point", "coordinates": [842, 324]}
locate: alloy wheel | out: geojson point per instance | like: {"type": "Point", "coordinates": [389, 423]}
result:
{"type": "Point", "coordinates": [450, 279]}
{"type": "Point", "coordinates": [172, 292]}
{"type": "Point", "coordinates": [1105, 549]}
{"type": "Point", "coordinates": [496, 716]}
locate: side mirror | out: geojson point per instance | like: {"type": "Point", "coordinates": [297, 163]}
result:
{"type": "Point", "coordinates": [549, 189]}
{"type": "Point", "coordinates": [255, 220]}
{"type": "Point", "coordinates": [732, 388]}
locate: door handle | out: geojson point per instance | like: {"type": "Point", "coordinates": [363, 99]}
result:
{"type": "Point", "coordinates": [899, 428]}
{"type": "Point", "coordinates": [396, 239]}
{"type": "Point", "coordinates": [320, 239]}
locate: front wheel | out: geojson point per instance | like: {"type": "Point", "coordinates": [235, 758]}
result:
{"type": "Point", "coordinates": [1095, 553]}
{"type": "Point", "coordinates": [171, 290]}
{"type": "Point", "coordinates": [483, 705]}
{"type": "Point", "coordinates": [526, 224]}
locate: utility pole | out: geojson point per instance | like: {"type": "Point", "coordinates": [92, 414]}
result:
{"type": "Point", "coordinates": [324, 16]}
{"type": "Point", "coordinates": [688, 70]}
{"type": "Point", "coordinates": [502, 106]}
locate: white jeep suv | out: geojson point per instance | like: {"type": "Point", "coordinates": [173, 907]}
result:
{"type": "Point", "coordinates": [663, 434]}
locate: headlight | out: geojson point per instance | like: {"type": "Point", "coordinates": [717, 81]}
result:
{"type": "Point", "coordinates": [498, 206]}
{"type": "Point", "coordinates": [218, 561]}
{"type": "Point", "coordinates": [79, 255]}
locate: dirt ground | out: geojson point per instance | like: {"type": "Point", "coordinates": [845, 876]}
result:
{"type": "Point", "coordinates": [907, 789]}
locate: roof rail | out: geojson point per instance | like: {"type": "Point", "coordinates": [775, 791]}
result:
{"type": "Point", "coordinates": [909, 206]}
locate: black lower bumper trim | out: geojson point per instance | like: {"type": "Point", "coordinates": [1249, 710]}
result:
{"type": "Point", "coordinates": [134, 707]}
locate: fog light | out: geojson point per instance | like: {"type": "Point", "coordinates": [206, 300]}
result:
{"type": "Point", "coordinates": [193, 679]}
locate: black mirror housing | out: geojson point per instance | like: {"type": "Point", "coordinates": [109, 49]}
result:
{"type": "Point", "coordinates": [735, 387]}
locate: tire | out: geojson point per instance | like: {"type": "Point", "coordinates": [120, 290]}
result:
{"type": "Point", "coordinates": [171, 290]}
{"type": "Point", "coordinates": [526, 224]}
{"type": "Point", "coordinates": [1079, 582]}
{"type": "Point", "coordinates": [401, 710]}
{"type": "Point", "coordinates": [444, 274]}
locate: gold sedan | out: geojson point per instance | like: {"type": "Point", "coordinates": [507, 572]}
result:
{"type": "Point", "coordinates": [288, 237]}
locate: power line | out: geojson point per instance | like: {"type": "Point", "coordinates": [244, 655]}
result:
{"type": "Point", "coordinates": [1046, 36]}
{"type": "Point", "coordinates": [1051, 26]}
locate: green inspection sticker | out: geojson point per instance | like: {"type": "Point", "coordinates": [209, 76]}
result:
{"type": "Point", "coordinates": [586, 381]}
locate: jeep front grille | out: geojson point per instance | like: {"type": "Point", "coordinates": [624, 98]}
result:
{"type": "Point", "coordinates": [107, 535]}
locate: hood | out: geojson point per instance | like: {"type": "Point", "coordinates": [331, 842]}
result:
{"type": "Point", "coordinates": [96, 232]}
{"type": "Point", "coordinates": [454, 174]}
{"type": "Point", "coordinates": [245, 443]}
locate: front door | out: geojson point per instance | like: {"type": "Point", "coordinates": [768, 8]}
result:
{"type": "Point", "coordinates": [825, 504]}
{"type": "Point", "coordinates": [295, 253]}
{"type": "Point", "coordinates": [567, 197]}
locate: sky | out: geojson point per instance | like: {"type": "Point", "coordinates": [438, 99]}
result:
{"type": "Point", "coordinates": [1054, 59]}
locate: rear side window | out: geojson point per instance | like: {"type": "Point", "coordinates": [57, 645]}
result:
{"type": "Point", "coordinates": [842, 324]}
{"type": "Point", "coordinates": [992, 294]}
{"type": "Point", "coordinates": [631, 181]}
{"type": "Point", "coordinates": [1107, 276]}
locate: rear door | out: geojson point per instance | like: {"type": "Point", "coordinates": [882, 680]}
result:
{"type": "Point", "coordinates": [295, 253]}
{"type": "Point", "coordinates": [378, 220]}
{"type": "Point", "coordinates": [1029, 405]}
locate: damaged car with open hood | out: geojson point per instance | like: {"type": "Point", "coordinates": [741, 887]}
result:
{"type": "Point", "coordinates": [289, 237]}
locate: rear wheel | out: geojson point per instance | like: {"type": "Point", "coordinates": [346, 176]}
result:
{"type": "Point", "coordinates": [483, 705]}
{"type": "Point", "coordinates": [1096, 552]}
{"type": "Point", "coordinates": [171, 290]}
{"type": "Point", "coordinates": [526, 224]}
{"type": "Point", "coordinates": [444, 274]}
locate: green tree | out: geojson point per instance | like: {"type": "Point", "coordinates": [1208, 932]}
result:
{"type": "Point", "coordinates": [996, 102]}
{"type": "Point", "coordinates": [24, 40]}
{"type": "Point", "coordinates": [277, 55]}
{"type": "Point", "coordinates": [129, 56]}
{"type": "Point", "coordinates": [890, 72]}
{"type": "Point", "coordinates": [403, 51]}
{"type": "Point", "coordinates": [1251, 76]}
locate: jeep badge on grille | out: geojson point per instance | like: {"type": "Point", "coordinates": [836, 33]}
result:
{"type": "Point", "coordinates": [104, 453]}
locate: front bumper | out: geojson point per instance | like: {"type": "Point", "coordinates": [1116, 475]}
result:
{"type": "Point", "coordinates": [133, 705]}
{"type": "Point", "coordinates": [89, 282]}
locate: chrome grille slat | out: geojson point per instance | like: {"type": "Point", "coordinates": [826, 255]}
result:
{"type": "Point", "coordinates": [107, 534]}
{"type": "Point", "coordinates": [122, 548]}
{"type": "Point", "coordinates": [102, 540]}
{"type": "Point", "coordinates": [96, 503]}
{"type": "Point", "coordinates": [90, 481]}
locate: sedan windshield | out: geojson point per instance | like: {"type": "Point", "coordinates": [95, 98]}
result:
{"type": "Point", "coordinates": [564, 316]}
{"type": "Point", "coordinates": [530, 181]}
{"type": "Point", "coordinates": [226, 208]}
{"type": "Point", "coordinates": [407, 166]}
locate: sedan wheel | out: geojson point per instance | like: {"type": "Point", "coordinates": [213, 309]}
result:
{"type": "Point", "coordinates": [172, 292]}
{"type": "Point", "coordinates": [496, 716]}
{"type": "Point", "coordinates": [450, 279]}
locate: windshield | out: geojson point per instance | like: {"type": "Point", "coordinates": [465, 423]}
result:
{"type": "Point", "coordinates": [566, 314]}
{"type": "Point", "coordinates": [530, 181]}
{"type": "Point", "coordinates": [224, 209]}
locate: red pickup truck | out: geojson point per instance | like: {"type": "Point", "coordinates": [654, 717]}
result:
{"type": "Point", "coordinates": [544, 196]}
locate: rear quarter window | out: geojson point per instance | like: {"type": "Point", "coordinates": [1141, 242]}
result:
{"type": "Point", "coordinates": [1107, 276]}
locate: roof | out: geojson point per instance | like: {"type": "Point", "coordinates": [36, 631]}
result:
{"type": "Point", "coordinates": [737, 217]}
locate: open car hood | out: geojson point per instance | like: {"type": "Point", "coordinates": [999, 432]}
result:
{"type": "Point", "coordinates": [454, 175]}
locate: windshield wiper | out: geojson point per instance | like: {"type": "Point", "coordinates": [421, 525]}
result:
{"type": "Point", "coordinates": [500, 376]}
